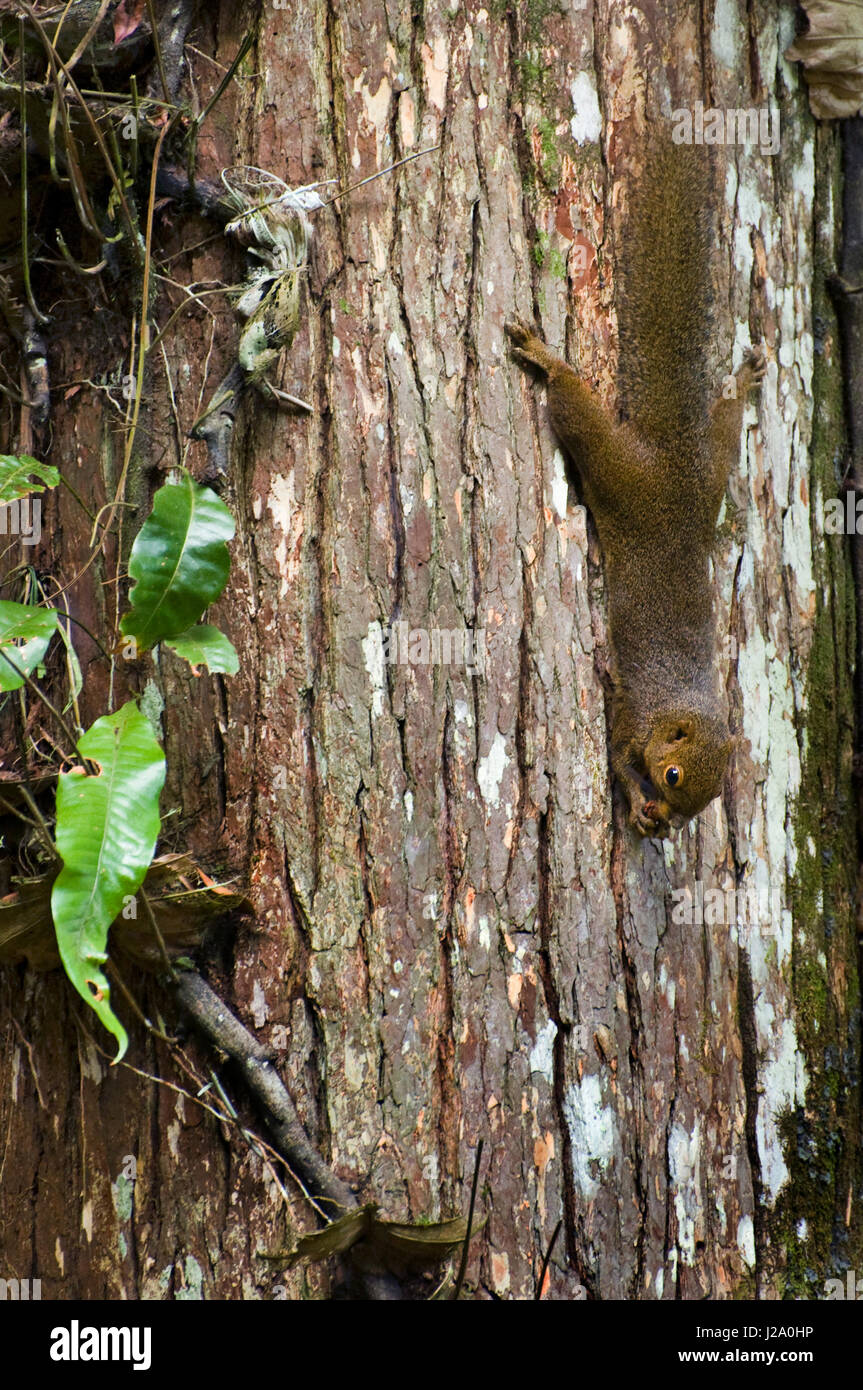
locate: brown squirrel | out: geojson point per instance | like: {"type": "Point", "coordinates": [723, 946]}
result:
{"type": "Point", "coordinates": [654, 484]}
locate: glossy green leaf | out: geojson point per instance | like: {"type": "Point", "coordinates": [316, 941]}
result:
{"type": "Point", "coordinates": [107, 827]}
{"type": "Point", "coordinates": [179, 562]}
{"type": "Point", "coordinates": [25, 633]}
{"type": "Point", "coordinates": [16, 472]}
{"type": "Point", "coordinates": [204, 645]}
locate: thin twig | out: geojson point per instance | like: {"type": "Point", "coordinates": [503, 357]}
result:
{"type": "Point", "coordinates": [84, 42]}
{"type": "Point", "coordinates": [40, 694]}
{"type": "Point", "coordinates": [271, 202]}
{"type": "Point", "coordinates": [25, 791]}
{"type": "Point", "coordinates": [166, 959]}
{"type": "Point", "coordinates": [243, 50]}
{"type": "Point", "coordinates": [133, 1003]}
{"type": "Point", "coordinates": [56, 62]}
{"type": "Point", "coordinates": [25, 194]}
{"type": "Point", "coordinates": [157, 45]}
{"type": "Point", "coordinates": [215, 1019]}
{"type": "Point", "coordinates": [547, 1261]}
{"type": "Point", "coordinates": [462, 1269]}
{"type": "Point", "coordinates": [379, 175]}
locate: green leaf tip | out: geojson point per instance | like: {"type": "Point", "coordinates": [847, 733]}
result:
{"type": "Point", "coordinates": [107, 827]}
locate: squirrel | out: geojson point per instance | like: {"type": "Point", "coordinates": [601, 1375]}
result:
{"type": "Point", "coordinates": [654, 482]}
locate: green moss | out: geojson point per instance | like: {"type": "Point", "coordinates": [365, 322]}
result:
{"type": "Point", "coordinates": [532, 72]}
{"type": "Point", "coordinates": [532, 16]}
{"type": "Point", "coordinates": [820, 1139]}
{"type": "Point", "coordinates": [745, 1290]}
{"type": "Point", "coordinates": [550, 156]}
{"type": "Point", "coordinates": [548, 258]}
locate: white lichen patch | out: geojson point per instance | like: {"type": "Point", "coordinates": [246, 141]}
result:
{"type": "Point", "coordinates": [491, 769]}
{"type": "Point", "coordinates": [376, 110]}
{"type": "Point", "coordinates": [591, 1128]}
{"type": "Point", "coordinates": [373, 651]}
{"type": "Point", "coordinates": [783, 1082]}
{"type": "Point", "coordinates": [586, 123]}
{"type": "Point", "coordinates": [769, 725]}
{"type": "Point", "coordinates": [542, 1052]}
{"type": "Point", "coordinates": [725, 34]}
{"type": "Point", "coordinates": [684, 1169]}
{"type": "Point", "coordinates": [746, 1240]}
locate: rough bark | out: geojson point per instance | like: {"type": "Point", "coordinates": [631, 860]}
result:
{"type": "Point", "coordinates": [455, 936]}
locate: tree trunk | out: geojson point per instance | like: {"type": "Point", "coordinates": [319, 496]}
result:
{"type": "Point", "coordinates": [454, 934]}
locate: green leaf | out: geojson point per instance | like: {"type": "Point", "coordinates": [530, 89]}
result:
{"type": "Point", "coordinates": [107, 827]}
{"type": "Point", "coordinates": [206, 646]}
{"type": "Point", "coordinates": [73, 668]}
{"type": "Point", "coordinates": [15, 474]}
{"type": "Point", "coordinates": [179, 561]}
{"type": "Point", "coordinates": [33, 628]}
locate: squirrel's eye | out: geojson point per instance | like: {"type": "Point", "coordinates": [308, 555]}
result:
{"type": "Point", "coordinates": [672, 776]}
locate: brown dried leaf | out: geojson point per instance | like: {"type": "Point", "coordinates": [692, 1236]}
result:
{"type": "Point", "coordinates": [419, 1245]}
{"type": "Point", "coordinates": [831, 52]}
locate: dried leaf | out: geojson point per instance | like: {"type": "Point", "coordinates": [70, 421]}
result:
{"type": "Point", "coordinates": [424, 1245]}
{"type": "Point", "coordinates": [127, 18]}
{"type": "Point", "coordinates": [336, 1238]}
{"type": "Point", "coordinates": [831, 52]}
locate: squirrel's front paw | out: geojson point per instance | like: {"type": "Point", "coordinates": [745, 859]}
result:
{"type": "Point", "coordinates": [753, 369]}
{"type": "Point", "coordinates": [518, 332]}
{"type": "Point", "coordinates": [527, 346]}
{"type": "Point", "coordinates": [646, 820]}
{"type": "Point", "coordinates": [640, 821]}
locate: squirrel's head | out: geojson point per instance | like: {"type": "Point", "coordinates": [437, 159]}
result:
{"type": "Point", "coordinates": [686, 758]}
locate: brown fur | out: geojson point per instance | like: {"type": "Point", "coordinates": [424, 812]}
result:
{"type": "Point", "coordinates": [655, 489]}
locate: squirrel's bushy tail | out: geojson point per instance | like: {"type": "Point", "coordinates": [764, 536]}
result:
{"type": "Point", "coordinates": [665, 297]}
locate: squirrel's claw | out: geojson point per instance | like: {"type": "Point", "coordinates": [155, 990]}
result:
{"type": "Point", "coordinates": [518, 332]}
{"type": "Point", "coordinates": [645, 818]}
{"type": "Point", "coordinates": [521, 338]}
{"type": "Point", "coordinates": [528, 348]}
{"type": "Point", "coordinates": [640, 821]}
